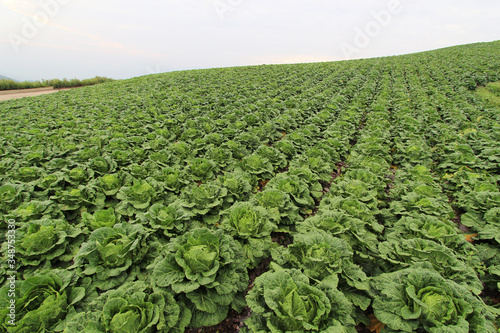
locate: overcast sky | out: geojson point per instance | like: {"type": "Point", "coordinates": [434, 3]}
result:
{"type": "Point", "coordinates": [126, 38]}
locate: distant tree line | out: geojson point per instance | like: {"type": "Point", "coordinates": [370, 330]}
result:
{"type": "Point", "coordinates": [56, 83]}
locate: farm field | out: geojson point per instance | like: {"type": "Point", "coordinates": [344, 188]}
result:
{"type": "Point", "coordinates": [353, 196]}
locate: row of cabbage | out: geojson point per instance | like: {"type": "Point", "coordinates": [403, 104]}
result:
{"type": "Point", "coordinates": [144, 211]}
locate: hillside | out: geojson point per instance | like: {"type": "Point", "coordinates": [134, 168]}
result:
{"type": "Point", "coordinates": [352, 196]}
{"type": "Point", "coordinates": [5, 78]}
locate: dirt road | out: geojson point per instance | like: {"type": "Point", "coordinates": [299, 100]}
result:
{"type": "Point", "coordinates": [5, 95]}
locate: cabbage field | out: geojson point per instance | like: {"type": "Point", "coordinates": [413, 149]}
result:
{"type": "Point", "coordinates": [353, 196]}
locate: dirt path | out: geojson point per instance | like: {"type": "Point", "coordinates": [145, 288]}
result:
{"type": "Point", "coordinates": [5, 95]}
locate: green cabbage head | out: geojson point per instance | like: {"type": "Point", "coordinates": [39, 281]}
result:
{"type": "Point", "coordinates": [112, 254]}
{"type": "Point", "coordinates": [251, 225]}
{"type": "Point", "coordinates": [208, 269]}
{"type": "Point", "coordinates": [419, 299]}
{"type": "Point", "coordinates": [286, 301]}
{"type": "Point", "coordinates": [42, 302]}
{"type": "Point", "coordinates": [132, 308]}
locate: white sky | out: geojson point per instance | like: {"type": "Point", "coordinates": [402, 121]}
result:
{"type": "Point", "coordinates": [125, 38]}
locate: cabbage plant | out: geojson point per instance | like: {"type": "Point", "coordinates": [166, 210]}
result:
{"type": "Point", "coordinates": [35, 209]}
{"type": "Point", "coordinates": [320, 255]}
{"type": "Point", "coordinates": [402, 253]}
{"type": "Point", "coordinates": [418, 299]}
{"type": "Point", "coordinates": [310, 178]}
{"type": "Point", "coordinates": [135, 198]}
{"type": "Point", "coordinates": [286, 301]}
{"type": "Point", "coordinates": [280, 206]}
{"type": "Point", "coordinates": [171, 219]}
{"type": "Point", "coordinates": [131, 308]}
{"type": "Point", "coordinates": [201, 200]}
{"type": "Point", "coordinates": [111, 183]}
{"type": "Point", "coordinates": [173, 178]}
{"type": "Point", "coordinates": [110, 256]}
{"type": "Point", "coordinates": [78, 175]}
{"type": "Point", "coordinates": [358, 190]}
{"type": "Point", "coordinates": [208, 269]}
{"type": "Point", "coordinates": [418, 203]}
{"type": "Point", "coordinates": [257, 165]}
{"type": "Point", "coordinates": [48, 241]}
{"type": "Point", "coordinates": [239, 185]}
{"type": "Point", "coordinates": [273, 155]}
{"type": "Point", "coordinates": [251, 225]}
{"type": "Point", "coordinates": [103, 164]}
{"type": "Point", "coordinates": [357, 233]}
{"type": "Point", "coordinates": [432, 228]}
{"type": "Point", "coordinates": [295, 187]}
{"type": "Point", "coordinates": [201, 169]}
{"type": "Point", "coordinates": [487, 225]}
{"type": "Point", "coordinates": [79, 198]}
{"type": "Point", "coordinates": [100, 218]}
{"type": "Point", "coordinates": [42, 302]}
{"type": "Point", "coordinates": [11, 196]}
